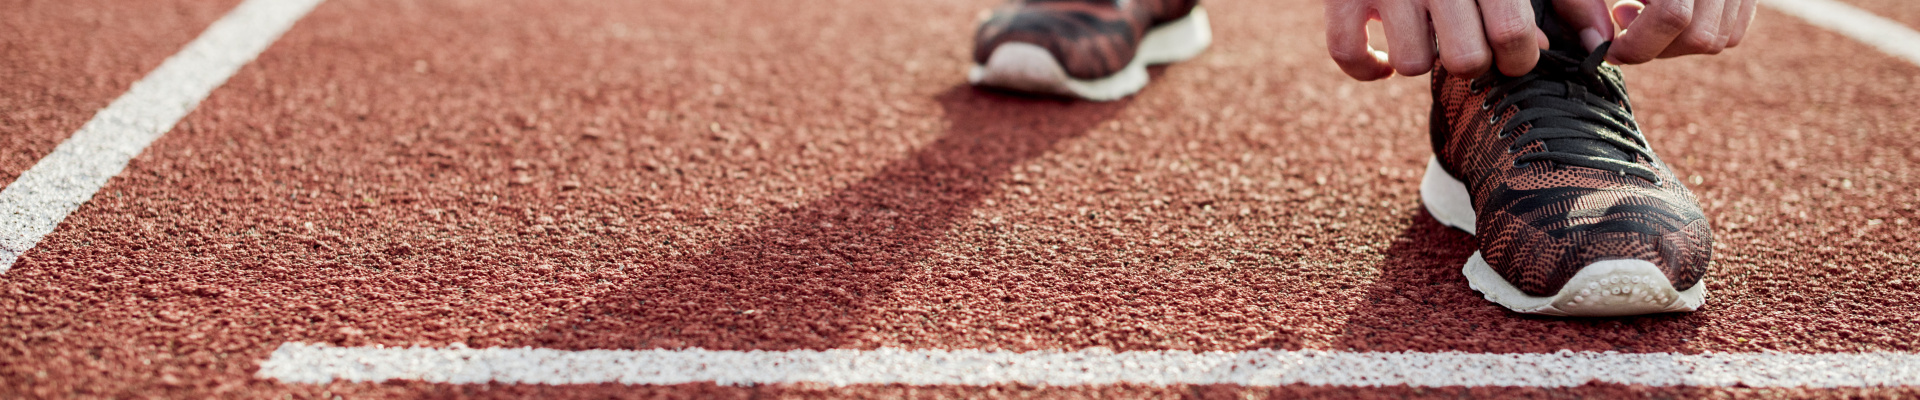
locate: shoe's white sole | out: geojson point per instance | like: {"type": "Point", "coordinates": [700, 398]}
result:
{"type": "Point", "coordinates": [1602, 289]}
{"type": "Point", "coordinates": [1030, 68]}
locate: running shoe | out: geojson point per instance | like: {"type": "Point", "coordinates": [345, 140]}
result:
{"type": "Point", "coordinates": [1575, 214]}
{"type": "Point", "coordinates": [1091, 49]}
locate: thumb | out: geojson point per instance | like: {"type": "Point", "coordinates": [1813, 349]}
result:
{"type": "Point", "coordinates": [1589, 18]}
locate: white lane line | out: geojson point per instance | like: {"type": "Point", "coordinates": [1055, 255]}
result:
{"type": "Point", "coordinates": [304, 363]}
{"type": "Point", "coordinates": [1887, 35]}
{"type": "Point", "coordinates": [35, 203]}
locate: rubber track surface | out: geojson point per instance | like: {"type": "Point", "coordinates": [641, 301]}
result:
{"type": "Point", "coordinates": [733, 174]}
{"type": "Point", "coordinates": [66, 59]}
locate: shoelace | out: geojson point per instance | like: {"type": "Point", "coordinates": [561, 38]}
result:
{"type": "Point", "coordinates": [1574, 125]}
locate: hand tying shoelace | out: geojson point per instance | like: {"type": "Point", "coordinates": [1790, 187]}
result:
{"type": "Point", "coordinates": [1578, 115]}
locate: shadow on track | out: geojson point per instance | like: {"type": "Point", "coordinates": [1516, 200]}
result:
{"type": "Point", "coordinates": [1421, 302]}
{"type": "Point", "coordinates": [808, 277]}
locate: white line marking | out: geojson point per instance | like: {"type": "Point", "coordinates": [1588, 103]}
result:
{"type": "Point", "coordinates": [41, 197]}
{"type": "Point", "coordinates": [1887, 35]}
{"type": "Point", "coordinates": [304, 363]}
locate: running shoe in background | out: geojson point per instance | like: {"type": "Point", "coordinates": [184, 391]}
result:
{"type": "Point", "coordinates": [1090, 49]}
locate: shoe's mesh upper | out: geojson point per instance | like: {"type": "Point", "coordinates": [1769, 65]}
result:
{"type": "Point", "coordinates": [1090, 38]}
{"type": "Point", "coordinates": [1539, 222]}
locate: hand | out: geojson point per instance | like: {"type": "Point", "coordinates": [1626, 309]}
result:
{"type": "Point", "coordinates": [1465, 45]}
{"type": "Point", "coordinates": [1673, 28]}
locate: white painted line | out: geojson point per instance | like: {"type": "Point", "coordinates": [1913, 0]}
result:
{"type": "Point", "coordinates": [304, 363]}
{"type": "Point", "coordinates": [1887, 35]}
{"type": "Point", "coordinates": [34, 204]}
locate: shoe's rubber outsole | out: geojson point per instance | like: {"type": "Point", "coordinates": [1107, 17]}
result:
{"type": "Point", "coordinates": [1030, 68]}
{"type": "Point", "coordinates": [1603, 289]}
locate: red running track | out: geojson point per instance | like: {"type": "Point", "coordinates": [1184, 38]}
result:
{"type": "Point", "coordinates": [66, 59]}
{"type": "Point", "coordinates": [752, 175]}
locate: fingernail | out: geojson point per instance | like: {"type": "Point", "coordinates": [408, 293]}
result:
{"type": "Point", "coordinates": [1591, 38]}
{"type": "Point", "coordinates": [1625, 16]}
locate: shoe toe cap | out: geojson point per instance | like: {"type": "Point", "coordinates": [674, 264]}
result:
{"type": "Point", "coordinates": [1539, 249]}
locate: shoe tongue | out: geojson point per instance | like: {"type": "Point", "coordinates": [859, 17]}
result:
{"type": "Point", "coordinates": [1567, 61]}
{"type": "Point", "coordinates": [1569, 67]}
{"type": "Point", "coordinates": [1560, 35]}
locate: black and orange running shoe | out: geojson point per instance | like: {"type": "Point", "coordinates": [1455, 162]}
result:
{"type": "Point", "coordinates": [1574, 212]}
{"type": "Point", "coordinates": [1090, 49]}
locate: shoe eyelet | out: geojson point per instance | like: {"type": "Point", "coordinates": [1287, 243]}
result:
{"type": "Point", "coordinates": [1485, 105]}
{"type": "Point", "coordinates": [1493, 119]}
{"type": "Point", "coordinates": [1518, 164]}
{"type": "Point", "coordinates": [1509, 149]}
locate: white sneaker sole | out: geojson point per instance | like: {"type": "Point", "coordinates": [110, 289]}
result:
{"type": "Point", "coordinates": [1030, 68]}
{"type": "Point", "coordinates": [1602, 289]}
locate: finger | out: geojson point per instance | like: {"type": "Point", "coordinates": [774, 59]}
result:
{"type": "Point", "coordinates": [1462, 40]}
{"type": "Point", "coordinates": [1703, 35]}
{"type": "Point", "coordinates": [1347, 41]}
{"type": "Point", "coordinates": [1409, 38]}
{"type": "Point", "coordinates": [1729, 12]}
{"type": "Point", "coordinates": [1741, 21]}
{"type": "Point", "coordinates": [1651, 30]}
{"type": "Point", "coordinates": [1589, 18]}
{"type": "Point", "coordinates": [1511, 34]}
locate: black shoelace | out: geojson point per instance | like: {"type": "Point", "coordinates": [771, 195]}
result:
{"type": "Point", "coordinates": [1573, 113]}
